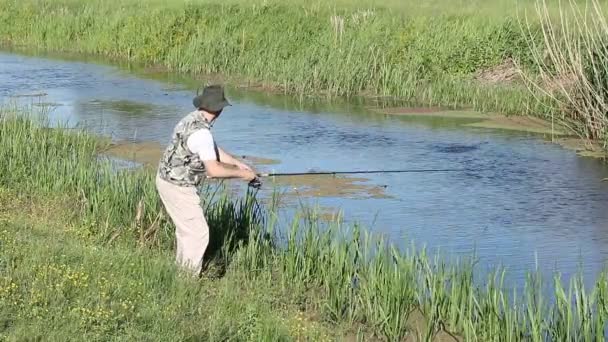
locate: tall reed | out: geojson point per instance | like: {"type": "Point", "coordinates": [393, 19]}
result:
{"type": "Point", "coordinates": [572, 61]}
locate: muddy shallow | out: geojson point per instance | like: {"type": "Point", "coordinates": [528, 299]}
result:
{"type": "Point", "coordinates": [523, 199]}
{"type": "Point", "coordinates": [328, 186]}
{"type": "Point", "coordinates": [481, 120]}
{"type": "Point", "coordinates": [149, 153]}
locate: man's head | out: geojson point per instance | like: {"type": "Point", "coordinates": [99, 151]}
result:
{"type": "Point", "coordinates": [211, 102]}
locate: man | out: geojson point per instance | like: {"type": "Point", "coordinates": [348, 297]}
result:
{"type": "Point", "coordinates": [192, 156]}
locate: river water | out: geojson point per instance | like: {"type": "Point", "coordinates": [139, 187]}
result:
{"type": "Point", "coordinates": [524, 200]}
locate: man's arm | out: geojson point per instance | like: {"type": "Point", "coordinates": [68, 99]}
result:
{"type": "Point", "coordinates": [216, 169]}
{"type": "Point", "coordinates": [202, 143]}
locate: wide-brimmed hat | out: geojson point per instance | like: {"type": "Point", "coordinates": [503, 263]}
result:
{"type": "Point", "coordinates": [212, 99]}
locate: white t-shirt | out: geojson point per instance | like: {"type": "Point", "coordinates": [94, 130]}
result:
{"type": "Point", "coordinates": [201, 142]}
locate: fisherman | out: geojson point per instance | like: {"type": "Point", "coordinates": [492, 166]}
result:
{"type": "Point", "coordinates": [191, 156]}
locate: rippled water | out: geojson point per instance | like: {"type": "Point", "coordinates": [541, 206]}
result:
{"type": "Point", "coordinates": [523, 195]}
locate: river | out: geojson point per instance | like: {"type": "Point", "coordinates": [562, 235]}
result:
{"type": "Point", "coordinates": [525, 201]}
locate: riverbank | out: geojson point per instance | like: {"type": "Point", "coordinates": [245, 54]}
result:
{"type": "Point", "coordinates": [482, 57]}
{"type": "Point", "coordinates": [336, 279]}
{"type": "Point", "coordinates": [56, 284]}
{"type": "Point", "coordinates": [415, 56]}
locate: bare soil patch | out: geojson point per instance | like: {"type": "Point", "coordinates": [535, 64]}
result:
{"type": "Point", "coordinates": [584, 148]}
{"type": "Point", "coordinates": [506, 72]}
{"type": "Point", "coordinates": [328, 186]}
{"type": "Point", "coordinates": [520, 123]}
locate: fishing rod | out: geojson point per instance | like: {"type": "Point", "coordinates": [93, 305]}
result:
{"type": "Point", "coordinates": [355, 172]}
{"type": "Point", "coordinates": [256, 183]}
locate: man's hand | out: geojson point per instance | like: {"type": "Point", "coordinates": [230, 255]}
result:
{"type": "Point", "coordinates": [249, 175]}
{"type": "Point", "coordinates": [256, 183]}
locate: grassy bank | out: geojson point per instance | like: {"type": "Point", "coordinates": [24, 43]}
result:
{"type": "Point", "coordinates": [85, 249]}
{"type": "Point", "coordinates": [425, 54]}
{"type": "Point", "coordinates": [57, 286]}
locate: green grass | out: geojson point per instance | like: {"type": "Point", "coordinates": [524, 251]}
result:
{"type": "Point", "coordinates": [496, 9]}
{"type": "Point", "coordinates": [54, 287]}
{"type": "Point", "coordinates": [426, 54]}
{"type": "Point", "coordinates": [85, 251]}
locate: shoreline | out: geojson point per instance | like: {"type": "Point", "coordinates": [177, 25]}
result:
{"type": "Point", "coordinates": [274, 60]}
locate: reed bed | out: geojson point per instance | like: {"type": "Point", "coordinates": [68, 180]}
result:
{"type": "Point", "coordinates": [572, 61]}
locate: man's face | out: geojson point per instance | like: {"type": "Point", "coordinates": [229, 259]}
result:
{"type": "Point", "coordinates": [217, 114]}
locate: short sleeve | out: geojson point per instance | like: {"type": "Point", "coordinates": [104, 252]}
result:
{"type": "Point", "coordinates": [201, 142]}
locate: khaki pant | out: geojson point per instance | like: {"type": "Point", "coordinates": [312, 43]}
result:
{"type": "Point", "coordinates": [191, 230]}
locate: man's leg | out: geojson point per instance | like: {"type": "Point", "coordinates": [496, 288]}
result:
{"type": "Point", "coordinates": [191, 229]}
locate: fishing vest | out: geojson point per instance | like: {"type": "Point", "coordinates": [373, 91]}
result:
{"type": "Point", "coordinates": [178, 164]}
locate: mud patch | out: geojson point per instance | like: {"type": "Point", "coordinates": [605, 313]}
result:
{"type": "Point", "coordinates": [584, 148]}
{"type": "Point", "coordinates": [327, 186]}
{"type": "Point", "coordinates": [146, 153]}
{"type": "Point", "coordinates": [260, 87]}
{"type": "Point", "coordinates": [261, 160]}
{"type": "Point", "coordinates": [31, 95]}
{"type": "Point", "coordinates": [519, 123]}
{"type": "Point", "coordinates": [125, 106]}
{"type": "Point", "coordinates": [481, 120]}
{"type": "Point", "coordinates": [430, 112]}
{"type": "Point", "coordinates": [412, 110]}
{"type": "Point", "coordinates": [149, 153]}
{"type": "Point", "coordinates": [47, 104]}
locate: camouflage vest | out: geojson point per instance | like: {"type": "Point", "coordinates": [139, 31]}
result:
{"type": "Point", "coordinates": [178, 164]}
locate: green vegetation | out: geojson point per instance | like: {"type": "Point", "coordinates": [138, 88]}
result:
{"type": "Point", "coordinates": [427, 56]}
{"type": "Point", "coordinates": [86, 251]}
{"type": "Point", "coordinates": [70, 224]}
{"type": "Point", "coordinates": [55, 286]}
{"type": "Point", "coordinates": [573, 65]}
{"type": "Point", "coordinates": [499, 56]}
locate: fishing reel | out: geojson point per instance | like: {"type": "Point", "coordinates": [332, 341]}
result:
{"type": "Point", "coordinates": [255, 183]}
